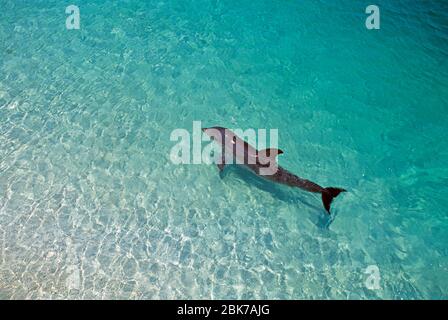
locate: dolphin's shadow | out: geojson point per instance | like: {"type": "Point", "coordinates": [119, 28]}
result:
{"type": "Point", "coordinates": [287, 194]}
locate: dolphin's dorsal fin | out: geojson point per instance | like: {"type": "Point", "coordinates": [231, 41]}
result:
{"type": "Point", "coordinates": [270, 152]}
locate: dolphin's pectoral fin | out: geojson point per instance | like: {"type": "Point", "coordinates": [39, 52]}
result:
{"type": "Point", "coordinates": [270, 152]}
{"type": "Point", "coordinates": [221, 171]}
{"type": "Point", "coordinates": [221, 167]}
{"type": "Point", "coordinates": [222, 163]}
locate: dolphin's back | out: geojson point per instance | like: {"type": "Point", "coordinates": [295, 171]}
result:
{"type": "Point", "coordinates": [233, 147]}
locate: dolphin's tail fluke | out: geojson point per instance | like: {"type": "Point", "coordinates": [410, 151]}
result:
{"type": "Point", "coordinates": [328, 195]}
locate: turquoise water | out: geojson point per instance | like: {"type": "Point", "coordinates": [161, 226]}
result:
{"type": "Point", "coordinates": [92, 207]}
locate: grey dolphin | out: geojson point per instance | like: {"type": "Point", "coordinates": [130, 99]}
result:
{"type": "Point", "coordinates": [263, 163]}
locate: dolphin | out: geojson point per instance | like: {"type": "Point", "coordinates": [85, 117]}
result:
{"type": "Point", "coordinates": [263, 163]}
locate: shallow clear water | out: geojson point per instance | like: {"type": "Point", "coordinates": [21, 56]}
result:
{"type": "Point", "coordinates": [91, 206]}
